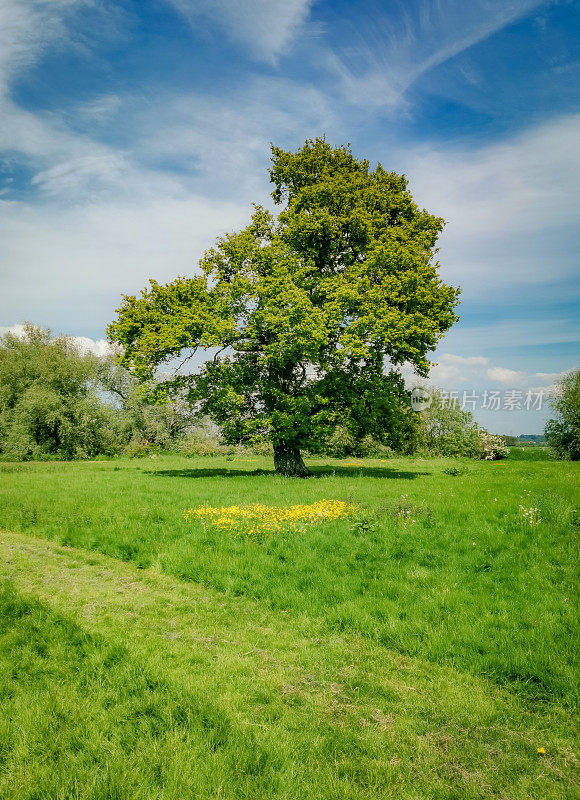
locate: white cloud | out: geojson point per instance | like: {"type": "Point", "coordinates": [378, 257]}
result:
{"type": "Point", "coordinates": [93, 169]}
{"type": "Point", "coordinates": [18, 329]}
{"type": "Point", "coordinates": [27, 28]}
{"type": "Point", "coordinates": [99, 347]}
{"type": "Point", "coordinates": [527, 182]}
{"type": "Point", "coordinates": [455, 372]}
{"type": "Point", "coordinates": [504, 375]}
{"type": "Point", "coordinates": [100, 108]}
{"type": "Point", "coordinates": [224, 142]}
{"type": "Point", "coordinates": [392, 49]}
{"type": "Point", "coordinates": [265, 27]}
{"type": "Point", "coordinates": [512, 207]}
{"type": "Point", "coordinates": [73, 262]}
{"type": "Point", "coordinates": [452, 371]}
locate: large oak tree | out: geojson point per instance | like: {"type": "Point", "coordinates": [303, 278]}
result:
{"type": "Point", "coordinates": [301, 312]}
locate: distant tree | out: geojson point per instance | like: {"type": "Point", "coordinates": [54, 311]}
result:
{"type": "Point", "coordinates": [138, 421]}
{"type": "Point", "coordinates": [510, 441]}
{"type": "Point", "coordinates": [392, 427]}
{"type": "Point", "coordinates": [49, 401]}
{"type": "Point", "coordinates": [303, 309]}
{"type": "Point", "coordinates": [58, 402]}
{"type": "Point", "coordinates": [563, 432]}
{"type": "Point", "coordinates": [446, 430]}
{"type": "Point", "coordinates": [531, 439]}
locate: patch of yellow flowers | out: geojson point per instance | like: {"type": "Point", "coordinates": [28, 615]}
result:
{"type": "Point", "coordinates": [256, 519]}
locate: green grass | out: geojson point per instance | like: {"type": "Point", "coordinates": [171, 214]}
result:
{"type": "Point", "coordinates": [124, 683]}
{"type": "Point", "coordinates": [81, 718]}
{"type": "Point", "coordinates": [478, 605]}
{"type": "Point", "coordinates": [467, 584]}
{"type": "Point", "coordinates": [531, 453]}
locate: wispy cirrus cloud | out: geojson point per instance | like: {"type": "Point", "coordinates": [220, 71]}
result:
{"type": "Point", "coordinates": [225, 140]}
{"type": "Point", "coordinates": [264, 27]}
{"type": "Point", "coordinates": [27, 29]}
{"type": "Point", "coordinates": [44, 141]}
{"type": "Point", "coordinates": [388, 50]}
{"type": "Point", "coordinates": [99, 108]}
{"type": "Point", "coordinates": [183, 141]}
{"type": "Point", "coordinates": [511, 206]}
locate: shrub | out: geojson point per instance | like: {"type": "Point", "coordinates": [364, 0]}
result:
{"type": "Point", "coordinates": [492, 447]}
{"type": "Point", "coordinates": [50, 406]}
{"type": "Point", "coordinates": [260, 447]}
{"type": "Point", "coordinates": [454, 471]}
{"type": "Point", "coordinates": [446, 430]}
{"type": "Point", "coordinates": [202, 442]}
{"type": "Point", "coordinates": [563, 432]}
{"type": "Point", "coordinates": [138, 448]}
{"type": "Point", "coordinates": [369, 447]}
{"type": "Point", "coordinates": [343, 443]}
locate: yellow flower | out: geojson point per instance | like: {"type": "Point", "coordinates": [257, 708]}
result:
{"type": "Point", "coordinates": [541, 750]}
{"type": "Point", "coordinates": [258, 518]}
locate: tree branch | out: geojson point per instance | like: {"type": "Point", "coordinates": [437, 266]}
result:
{"type": "Point", "coordinates": [185, 360]}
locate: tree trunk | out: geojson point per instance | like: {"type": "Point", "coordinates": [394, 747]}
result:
{"type": "Point", "coordinates": [288, 461]}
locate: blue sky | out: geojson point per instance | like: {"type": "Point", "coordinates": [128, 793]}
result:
{"type": "Point", "coordinates": [135, 132]}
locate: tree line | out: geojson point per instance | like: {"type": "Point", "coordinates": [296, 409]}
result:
{"type": "Point", "coordinates": [57, 402]}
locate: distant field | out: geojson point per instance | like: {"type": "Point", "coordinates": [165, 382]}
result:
{"type": "Point", "coordinates": [531, 453]}
{"type": "Point", "coordinates": [411, 659]}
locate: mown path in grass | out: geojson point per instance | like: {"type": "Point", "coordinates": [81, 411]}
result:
{"type": "Point", "coordinates": [470, 583]}
{"type": "Point", "coordinates": [298, 712]}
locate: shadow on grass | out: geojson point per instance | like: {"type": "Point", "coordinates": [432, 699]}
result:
{"type": "Point", "coordinates": [317, 472]}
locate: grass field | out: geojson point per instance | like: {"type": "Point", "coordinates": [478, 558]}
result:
{"type": "Point", "coordinates": [145, 656]}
